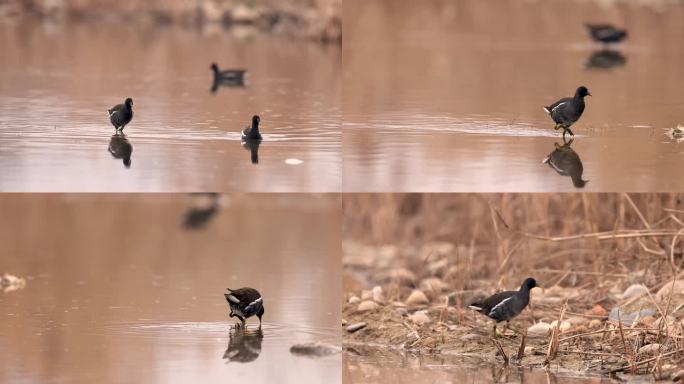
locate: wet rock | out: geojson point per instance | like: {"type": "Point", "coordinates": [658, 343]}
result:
{"type": "Point", "coordinates": [650, 349]}
{"type": "Point", "coordinates": [367, 305]}
{"type": "Point", "coordinates": [417, 298]}
{"type": "Point", "coordinates": [356, 326]}
{"type": "Point", "coordinates": [540, 329]}
{"type": "Point", "coordinates": [354, 300]}
{"type": "Point", "coordinates": [628, 318]}
{"type": "Point", "coordinates": [433, 285]}
{"type": "Point", "coordinates": [316, 349]}
{"type": "Point", "coordinates": [9, 283]}
{"type": "Point", "coordinates": [420, 317]}
{"type": "Point", "coordinates": [378, 297]}
{"type": "Point", "coordinates": [634, 290]}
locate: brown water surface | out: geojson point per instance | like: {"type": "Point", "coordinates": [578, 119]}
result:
{"type": "Point", "coordinates": [58, 80]}
{"type": "Point", "coordinates": [119, 291]}
{"type": "Point", "coordinates": [445, 95]}
{"type": "Point", "coordinates": [397, 369]}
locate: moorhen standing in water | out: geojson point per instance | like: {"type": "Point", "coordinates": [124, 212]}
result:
{"type": "Point", "coordinates": [566, 111]}
{"type": "Point", "coordinates": [245, 303]}
{"type": "Point", "coordinates": [252, 133]}
{"type": "Point", "coordinates": [121, 114]}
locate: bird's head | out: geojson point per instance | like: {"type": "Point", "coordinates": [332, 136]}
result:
{"type": "Point", "coordinates": [529, 283]}
{"type": "Point", "coordinates": [583, 91]}
{"type": "Point", "coordinates": [255, 120]}
{"type": "Point", "coordinates": [129, 102]}
{"type": "Point", "coordinates": [214, 67]}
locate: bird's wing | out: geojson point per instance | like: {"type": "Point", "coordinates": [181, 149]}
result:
{"type": "Point", "coordinates": [495, 311]}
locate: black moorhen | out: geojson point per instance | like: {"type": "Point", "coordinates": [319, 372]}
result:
{"type": "Point", "coordinates": [566, 111]}
{"type": "Point", "coordinates": [121, 114]}
{"type": "Point", "coordinates": [245, 303]}
{"type": "Point", "coordinates": [504, 306]}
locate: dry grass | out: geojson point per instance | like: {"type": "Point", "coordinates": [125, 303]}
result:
{"type": "Point", "coordinates": [592, 244]}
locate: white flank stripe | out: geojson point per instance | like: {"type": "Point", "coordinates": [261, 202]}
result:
{"type": "Point", "coordinates": [233, 299]}
{"type": "Point", "coordinates": [556, 107]}
{"type": "Point", "coordinates": [499, 305]}
{"type": "Point", "coordinates": [474, 307]}
{"type": "Point", "coordinates": [254, 302]}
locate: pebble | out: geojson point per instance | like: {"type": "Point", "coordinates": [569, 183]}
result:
{"type": "Point", "coordinates": [366, 294]}
{"type": "Point", "coordinates": [650, 348]}
{"type": "Point", "coordinates": [433, 285]}
{"type": "Point", "coordinates": [635, 290]}
{"type": "Point", "coordinates": [367, 306]}
{"type": "Point", "coordinates": [355, 327]}
{"type": "Point", "coordinates": [354, 300]}
{"type": "Point", "coordinates": [420, 317]}
{"type": "Point", "coordinates": [539, 330]}
{"type": "Point", "coordinates": [564, 325]}
{"type": "Point", "coordinates": [598, 310]}
{"type": "Point", "coordinates": [377, 294]}
{"type": "Point", "coordinates": [595, 323]}
{"type": "Point", "coordinates": [417, 298]}
{"type": "Point", "coordinates": [403, 276]}
{"type": "Point", "coordinates": [470, 337]}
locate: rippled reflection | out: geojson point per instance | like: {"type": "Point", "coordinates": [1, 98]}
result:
{"type": "Point", "coordinates": [566, 162]}
{"type": "Point", "coordinates": [121, 148]}
{"type": "Point", "coordinates": [244, 345]}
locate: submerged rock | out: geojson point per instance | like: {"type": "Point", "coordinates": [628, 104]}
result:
{"type": "Point", "coordinates": [9, 283]}
{"type": "Point", "coordinates": [316, 349]}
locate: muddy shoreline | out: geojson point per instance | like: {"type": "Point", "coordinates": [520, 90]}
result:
{"type": "Point", "coordinates": [319, 20]}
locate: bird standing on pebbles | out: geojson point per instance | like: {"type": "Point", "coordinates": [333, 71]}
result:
{"type": "Point", "coordinates": [245, 303]}
{"type": "Point", "coordinates": [566, 111]}
{"type": "Point", "coordinates": [252, 133]}
{"type": "Point", "coordinates": [121, 114]}
{"type": "Point", "coordinates": [504, 306]}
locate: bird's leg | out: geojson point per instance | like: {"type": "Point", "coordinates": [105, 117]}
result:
{"type": "Point", "coordinates": [506, 327]}
{"type": "Point", "coordinates": [564, 132]}
{"type": "Point", "coordinates": [569, 131]}
{"type": "Point", "coordinates": [494, 331]}
{"type": "Point", "coordinates": [556, 127]}
{"type": "Point", "coordinates": [260, 323]}
{"type": "Point", "coordinates": [243, 322]}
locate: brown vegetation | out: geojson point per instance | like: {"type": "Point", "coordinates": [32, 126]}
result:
{"type": "Point", "coordinates": [608, 262]}
{"type": "Point", "coordinates": [315, 19]}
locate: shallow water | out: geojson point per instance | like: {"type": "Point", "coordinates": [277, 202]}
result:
{"type": "Point", "coordinates": [135, 294]}
{"type": "Point", "coordinates": [57, 82]}
{"type": "Point", "coordinates": [448, 96]}
{"type": "Point", "coordinates": [396, 369]}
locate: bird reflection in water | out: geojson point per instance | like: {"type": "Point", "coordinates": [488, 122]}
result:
{"type": "Point", "coordinates": [244, 345]}
{"type": "Point", "coordinates": [227, 78]}
{"type": "Point", "coordinates": [121, 148]}
{"type": "Point", "coordinates": [253, 147]}
{"type": "Point", "coordinates": [202, 211]}
{"type": "Point", "coordinates": [564, 160]}
{"type": "Point", "coordinates": [605, 59]}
